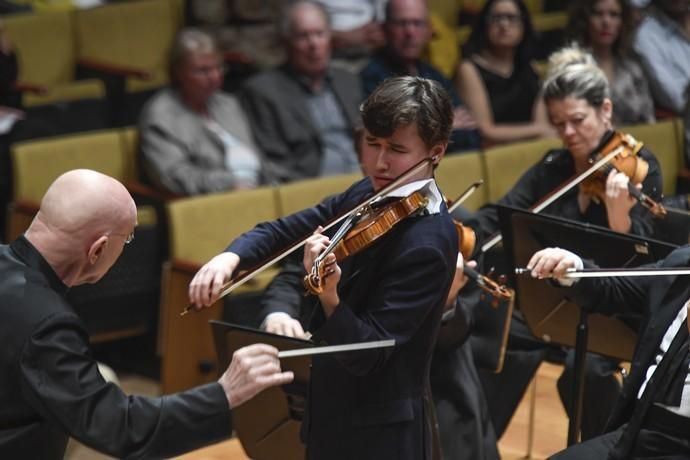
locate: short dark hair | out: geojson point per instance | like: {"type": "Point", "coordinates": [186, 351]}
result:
{"type": "Point", "coordinates": [400, 101]}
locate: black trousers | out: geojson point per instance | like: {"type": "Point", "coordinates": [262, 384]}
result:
{"type": "Point", "coordinates": [664, 435]}
{"type": "Point", "coordinates": [465, 427]}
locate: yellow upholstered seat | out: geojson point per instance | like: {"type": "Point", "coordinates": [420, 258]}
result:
{"type": "Point", "coordinates": [506, 163]}
{"type": "Point", "coordinates": [666, 143]}
{"type": "Point", "coordinates": [199, 228]}
{"type": "Point", "coordinates": [457, 172]}
{"type": "Point", "coordinates": [130, 35]}
{"type": "Point", "coordinates": [303, 194]}
{"type": "Point", "coordinates": [46, 54]}
{"type": "Point", "coordinates": [36, 164]}
{"type": "Point", "coordinates": [202, 226]}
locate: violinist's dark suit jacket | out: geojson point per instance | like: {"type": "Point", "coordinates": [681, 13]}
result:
{"type": "Point", "coordinates": [658, 299]}
{"type": "Point", "coordinates": [370, 405]}
{"type": "Point", "coordinates": [50, 386]}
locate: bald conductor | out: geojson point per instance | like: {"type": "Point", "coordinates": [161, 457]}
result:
{"type": "Point", "coordinates": [50, 386]}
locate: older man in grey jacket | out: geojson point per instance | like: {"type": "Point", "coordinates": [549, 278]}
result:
{"type": "Point", "coordinates": [304, 112]}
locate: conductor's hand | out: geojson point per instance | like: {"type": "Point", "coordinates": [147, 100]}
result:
{"type": "Point", "coordinates": [208, 281]}
{"type": "Point", "coordinates": [552, 263]}
{"type": "Point", "coordinates": [283, 324]}
{"type": "Point", "coordinates": [253, 369]}
{"type": "Point", "coordinates": [460, 279]}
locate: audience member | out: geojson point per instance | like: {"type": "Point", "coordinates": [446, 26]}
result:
{"type": "Point", "coordinates": [662, 42]}
{"type": "Point", "coordinates": [240, 26]}
{"type": "Point", "coordinates": [356, 26]}
{"type": "Point", "coordinates": [605, 27]}
{"type": "Point", "coordinates": [496, 78]}
{"type": "Point", "coordinates": [407, 33]}
{"type": "Point", "coordinates": [194, 138]}
{"type": "Point", "coordinates": [50, 385]}
{"type": "Point", "coordinates": [304, 112]}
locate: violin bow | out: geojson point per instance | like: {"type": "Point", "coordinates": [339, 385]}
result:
{"type": "Point", "coordinates": [235, 283]}
{"type": "Point", "coordinates": [572, 273]}
{"type": "Point", "coordinates": [497, 238]}
{"type": "Point", "coordinates": [465, 195]}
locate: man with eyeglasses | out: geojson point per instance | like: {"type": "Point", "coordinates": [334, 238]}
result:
{"type": "Point", "coordinates": [50, 385]}
{"type": "Point", "coordinates": [408, 31]}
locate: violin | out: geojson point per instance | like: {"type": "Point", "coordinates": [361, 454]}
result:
{"type": "Point", "coordinates": [467, 241]}
{"type": "Point", "coordinates": [243, 278]}
{"type": "Point", "coordinates": [625, 159]}
{"type": "Point", "coordinates": [361, 231]}
{"type": "Point", "coordinates": [619, 151]}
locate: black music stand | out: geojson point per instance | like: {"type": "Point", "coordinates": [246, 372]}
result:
{"type": "Point", "coordinates": [548, 311]}
{"type": "Point", "coordinates": [268, 425]}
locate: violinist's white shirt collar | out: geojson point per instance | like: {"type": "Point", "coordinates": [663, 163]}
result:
{"type": "Point", "coordinates": [428, 187]}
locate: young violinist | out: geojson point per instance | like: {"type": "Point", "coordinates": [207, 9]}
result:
{"type": "Point", "coordinates": [577, 97]}
{"type": "Point", "coordinates": [651, 418]}
{"type": "Point", "coordinates": [373, 404]}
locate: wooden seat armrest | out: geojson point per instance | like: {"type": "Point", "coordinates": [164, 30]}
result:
{"type": "Point", "coordinates": [662, 113]}
{"type": "Point", "coordinates": [115, 69]}
{"type": "Point", "coordinates": [146, 191]}
{"type": "Point", "coordinates": [26, 206]}
{"type": "Point", "coordinates": [185, 266]}
{"type": "Point", "coordinates": [33, 88]}
{"type": "Point", "coordinates": [237, 57]}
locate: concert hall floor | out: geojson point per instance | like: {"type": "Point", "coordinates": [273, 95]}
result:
{"type": "Point", "coordinates": [550, 433]}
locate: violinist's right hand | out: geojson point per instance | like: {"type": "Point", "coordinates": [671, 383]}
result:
{"type": "Point", "coordinates": [206, 285]}
{"type": "Point", "coordinates": [553, 263]}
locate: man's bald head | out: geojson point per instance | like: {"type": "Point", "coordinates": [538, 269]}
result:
{"type": "Point", "coordinates": [82, 208]}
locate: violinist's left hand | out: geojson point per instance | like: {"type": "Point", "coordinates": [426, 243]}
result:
{"type": "Point", "coordinates": [314, 246]}
{"type": "Point", "coordinates": [618, 201]}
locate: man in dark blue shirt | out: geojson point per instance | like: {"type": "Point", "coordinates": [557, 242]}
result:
{"type": "Point", "coordinates": [407, 32]}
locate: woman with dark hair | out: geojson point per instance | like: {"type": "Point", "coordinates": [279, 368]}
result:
{"type": "Point", "coordinates": [606, 27]}
{"type": "Point", "coordinates": [496, 78]}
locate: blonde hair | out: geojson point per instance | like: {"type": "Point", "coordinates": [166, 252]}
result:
{"type": "Point", "coordinates": [573, 72]}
